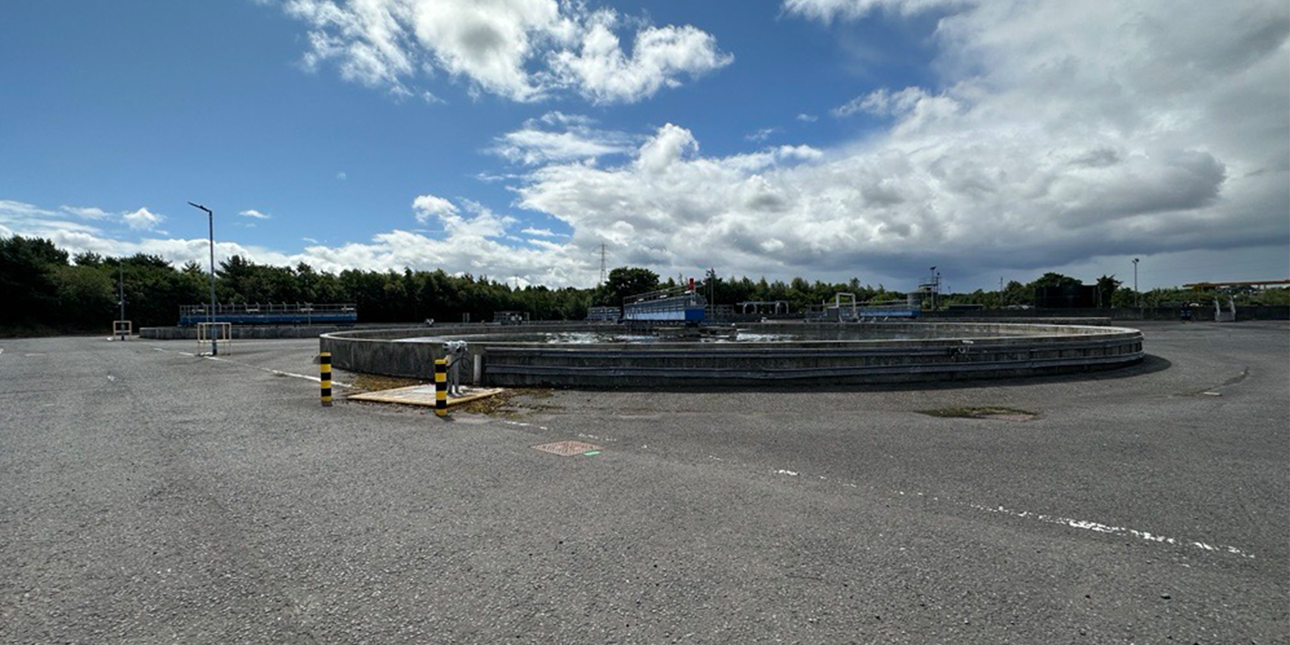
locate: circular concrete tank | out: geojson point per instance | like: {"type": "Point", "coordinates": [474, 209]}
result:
{"type": "Point", "coordinates": [800, 354]}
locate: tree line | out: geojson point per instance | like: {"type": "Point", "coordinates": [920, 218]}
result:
{"type": "Point", "coordinates": [46, 290]}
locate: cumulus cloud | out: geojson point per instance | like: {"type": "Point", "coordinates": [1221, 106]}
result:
{"type": "Point", "coordinates": [252, 213]}
{"type": "Point", "coordinates": [142, 219]}
{"type": "Point", "coordinates": [472, 242]}
{"type": "Point", "coordinates": [518, 49]}
{"type": "Point", "coordinates": [1056, 134]}
{"type": "Point", "coordinates": [1051, 142]}
{"type": "Point", "coordinates": [660, 55]}
{"type": "Point", "coordinates": [429, 206]}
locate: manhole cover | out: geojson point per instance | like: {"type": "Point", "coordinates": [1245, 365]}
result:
{"type": "Point", "coordinates": [1001, 414]}
{"type": "Point", "coordinates": [566, 448]}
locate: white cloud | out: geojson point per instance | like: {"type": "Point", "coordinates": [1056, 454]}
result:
{"type": "Point", "coordinates": [829, 10]}
{"type": "Point", "coordinates": [604, 74]}
{"type": "Point", "coordinates": [17, 209]}
{"type": "Point", "coordinates": [576, 140]}
{"type": "Point", "coordinates": [21, 218]}
{"type": "Point", "coordinates": [540, 232]}
{"type": "Point", "coordinates": [428, 206]}
{"type": "Point", "coordinates": [761, 135]}
{"type": "Point", "coordinates": [518, 49]}
{"type": "Point", "coordinates": [807, 118]}
{"type": "Point", "coordinates": [251, 212]}
{"type": "Point", "coordinates": [142, 219]}
{"type": "Point", "coordinates": [342, 175]}
{"type": "Point", "coordinates": [1059, 135]}
{"type": "Point", "coordinates": [1053, 142]}
{"type": "Point", "coordinates": [87, 212]}
{"type": "Point", "coordinates": [469, 244]}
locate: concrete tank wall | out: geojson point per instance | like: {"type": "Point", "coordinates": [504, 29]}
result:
{"type": "Point", "coordinates": [1017, 350]}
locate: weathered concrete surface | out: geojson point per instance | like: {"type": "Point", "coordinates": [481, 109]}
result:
{"type": "Point", "coordinates": [1016, 350]}
{"type": "Point", "coordinates": [371, 350]}
{"type": "Point", "coordinates": [153, 497]}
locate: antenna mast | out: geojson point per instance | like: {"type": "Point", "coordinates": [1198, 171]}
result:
{"type": "Point", "coordinates": [602, 263]}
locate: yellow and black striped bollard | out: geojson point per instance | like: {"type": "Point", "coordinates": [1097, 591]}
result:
{"type": "Point", "coordinates": [441, 387]}
{"type": "Point", "coordinates": [324, 365]}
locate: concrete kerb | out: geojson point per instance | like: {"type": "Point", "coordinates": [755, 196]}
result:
{"type": "Point", "coordinates": [1013, 350]}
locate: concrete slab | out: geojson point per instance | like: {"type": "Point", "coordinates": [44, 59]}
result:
{"type": "Point", "coordinates": [424, 395]}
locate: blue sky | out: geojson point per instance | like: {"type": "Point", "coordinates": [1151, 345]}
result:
{"type": "Point", "coordinates": [821, 138]}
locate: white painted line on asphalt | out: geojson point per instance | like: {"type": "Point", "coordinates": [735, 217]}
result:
{"type": "Point", "coordinates": [172, 351]}
{"type": "Point", "coordinates": [522, 424]}
{"type": "Point", "coordinates": [1112, 530]}
{"type": "Point", "coordinates": [1086, 525]}
{"type": "Point", "coordinates": [315, 379]}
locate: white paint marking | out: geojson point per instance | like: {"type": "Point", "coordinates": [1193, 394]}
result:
{"type": "Point", "coordinates": [111, 378]}
{"type": "Point", "coordinates": [1098, 527]}
{"type": "Point", "coordinates": [1087, 525]}
{"type": "Point", "coordinates": [315, 379]}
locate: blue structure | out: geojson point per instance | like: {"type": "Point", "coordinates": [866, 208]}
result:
{"type": "Point", "coordinates": [270, 314]}
{"type": "Point", "coordinates": [888, 310]}
{"type": "Point", "coordinates": [675, 305]}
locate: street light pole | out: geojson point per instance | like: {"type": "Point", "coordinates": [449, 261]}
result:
{"type": "Point", "coordinates": [120, 288]}
{"type": "Point", "coordinates": [210, 216]}
{"type": "Point", "coordinates": [1137, 297]}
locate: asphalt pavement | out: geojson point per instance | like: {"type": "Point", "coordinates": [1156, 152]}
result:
{"type": "Point", "coordinates": [150, 495]}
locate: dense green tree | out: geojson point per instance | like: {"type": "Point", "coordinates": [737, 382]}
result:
{"type": "Point", "coordinates": [44, 292]}
{"type": "Point", "coordinates": [1106, 287]}
{"type": "Point", "coordinates": [29, 281]}
{"type": "Point", "coordinates": [623, 282]}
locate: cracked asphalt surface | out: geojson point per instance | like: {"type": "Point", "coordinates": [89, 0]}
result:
{"type": "Point", "coordinates": [151, 496]}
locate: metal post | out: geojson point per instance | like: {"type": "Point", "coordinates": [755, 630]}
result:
{"type": "Point", "coordinates": [1137, 297]}
{"type": "Point", "coordinates": [210, 216]}
{"type": "Point", "coordinates": [324, 366]}
{"type": "Point", "coordinates": [441, 387]}
{"type": "Point", "coordinates": [120, 281]}
{"type": "Point", "coordinates": [210, 317]}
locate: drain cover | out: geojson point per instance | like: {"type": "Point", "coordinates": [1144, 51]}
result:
{"type": "Point", "coordinates": [566, 448]}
